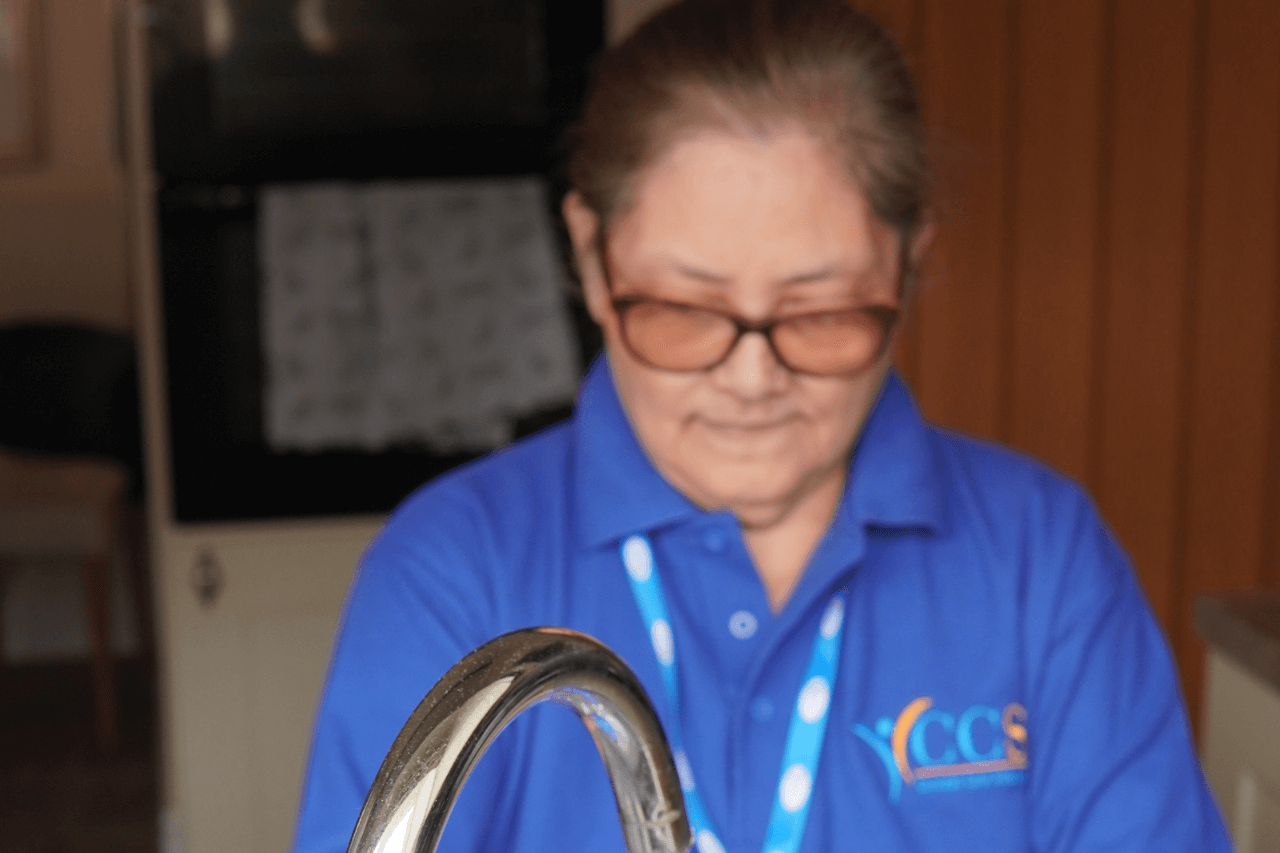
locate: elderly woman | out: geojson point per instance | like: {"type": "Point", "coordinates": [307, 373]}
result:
{"type": "Point", "coordinates": [746, 499]}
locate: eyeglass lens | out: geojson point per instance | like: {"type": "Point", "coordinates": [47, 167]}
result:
{"type": "Point", "coordinates": [679, 337]}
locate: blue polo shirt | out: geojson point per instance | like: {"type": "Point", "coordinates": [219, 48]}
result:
{"type": "Point", "coordinates": [1002, 684]}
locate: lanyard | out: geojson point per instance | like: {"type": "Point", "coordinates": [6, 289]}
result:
{"type": "Point", "coordinates": [808, 718]}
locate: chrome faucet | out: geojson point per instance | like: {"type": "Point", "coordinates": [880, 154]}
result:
{"type": "Point", "coordinates": [438, 747]}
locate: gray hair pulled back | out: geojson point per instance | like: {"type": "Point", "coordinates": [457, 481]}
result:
{"type": "Point", "coordinates": [750, 66]}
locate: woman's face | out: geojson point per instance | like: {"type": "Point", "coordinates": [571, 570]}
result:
{"type": "Point", "coordinates": [759, 227]}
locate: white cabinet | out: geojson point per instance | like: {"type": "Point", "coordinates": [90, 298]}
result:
{"type": "Point", "coordinates": [1242, 752]}
{"type": "Point", "coordinates": [247, 616]}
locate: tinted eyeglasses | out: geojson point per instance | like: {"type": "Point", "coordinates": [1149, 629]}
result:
{"type": "Point", "coordinates": [680, 337]}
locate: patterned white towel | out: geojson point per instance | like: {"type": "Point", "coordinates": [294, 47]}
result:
{"type": "Point", "coordinates": [410, 313]}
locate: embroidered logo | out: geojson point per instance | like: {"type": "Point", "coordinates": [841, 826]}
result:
{"type": "Point", "coordinates": [932, 750]}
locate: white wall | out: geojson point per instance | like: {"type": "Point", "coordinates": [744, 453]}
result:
{"type": "Point", "coordinates": [63, 236]}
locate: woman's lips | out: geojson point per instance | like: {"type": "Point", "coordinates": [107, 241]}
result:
{"type": "Point", "coordinates": [748, 427]}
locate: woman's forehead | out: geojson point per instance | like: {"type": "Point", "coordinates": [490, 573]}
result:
{"type": "Point", "coordinates": [718, 204]}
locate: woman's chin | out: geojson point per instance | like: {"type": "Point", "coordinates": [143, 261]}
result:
{"type": "Point", "coordinates": [761, 490]}
{"type": "Point", "coordinates": [760, 516]}
{"type": "Point", "coordinates": [756, 502]}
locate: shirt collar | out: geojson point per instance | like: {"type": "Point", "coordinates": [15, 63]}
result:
{"type": "Point", "coordinates": [893, 480]}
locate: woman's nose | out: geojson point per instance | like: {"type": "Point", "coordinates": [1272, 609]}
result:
{"type": "Point", "coordinates": [752, 371]}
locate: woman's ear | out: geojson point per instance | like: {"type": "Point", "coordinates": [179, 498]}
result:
{"type": "Point", "coordinates": [584, 225]}
{"type": "Point", "coordinates": [912, 256]}
{"type": "Point", "coordinates": [923, 238]}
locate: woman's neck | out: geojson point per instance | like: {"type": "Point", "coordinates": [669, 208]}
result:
{"type": "Point", "coordinates": [781, 547]}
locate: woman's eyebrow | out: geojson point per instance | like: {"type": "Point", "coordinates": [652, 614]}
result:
{"type": "Point", "coordinates": [818, 274]}
{"type": "Point", "coordinates": [700, 274]}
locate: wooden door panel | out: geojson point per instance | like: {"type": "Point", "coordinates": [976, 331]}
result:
{"type": "Point", "coordinates": [964, 312]}
{"type": "Point", "coordinates": [1055, 210]}
{"type": "Point", "coordinates": [1235, 312]}
{"type": "Point", "coordinates": [1146, 281]}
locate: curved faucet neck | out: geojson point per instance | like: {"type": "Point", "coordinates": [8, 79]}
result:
{"type": "Point", "coordinates": [435, 752]}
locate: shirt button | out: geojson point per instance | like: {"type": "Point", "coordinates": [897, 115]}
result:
{"type": "Point", "coordinates": [762, 710]}
{"type": "Point", "coordinates": [713, 541]}
{"type": "Point", "coordinates": [743, 624]}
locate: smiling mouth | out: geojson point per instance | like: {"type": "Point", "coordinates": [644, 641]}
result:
{"type": "Point", "coordinates": [747, 427]}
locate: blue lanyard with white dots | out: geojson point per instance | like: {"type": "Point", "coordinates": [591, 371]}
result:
{"type": "Point", "coordinates": [808, 718]}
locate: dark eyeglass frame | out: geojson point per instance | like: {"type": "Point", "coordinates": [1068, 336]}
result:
{"type": "Point", "coordinates": [885, 316]}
